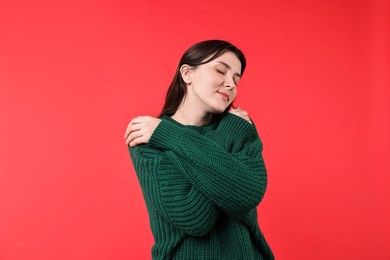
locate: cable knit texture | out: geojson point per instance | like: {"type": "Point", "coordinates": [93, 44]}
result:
{"type": "Point", "coordinates": [201, 186]}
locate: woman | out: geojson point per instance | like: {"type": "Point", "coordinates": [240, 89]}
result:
{"type": "Point", "coordinates": [200, 164]}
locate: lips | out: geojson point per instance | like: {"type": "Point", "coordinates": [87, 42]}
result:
{"type": "Point", "coordinates": [224, 95]}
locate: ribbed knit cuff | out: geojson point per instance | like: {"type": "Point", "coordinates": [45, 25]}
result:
{"type": "Point", "coordinates": [233, 125]}
{"type": "Point", "coordinates": [166, 135]}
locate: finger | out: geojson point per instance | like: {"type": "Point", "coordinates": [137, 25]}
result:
{"type": "Point", "coordinates": [137, 141]}
{"type": "Point", "coordinates": [234, 109]}
{"type": "Point", "coordinates": [127, 132]}
{"type": "Point", "coordinates": [129, 129]}
{"type": "Point", "coordinates": [247, 118]}
{"type": "Point", "coordinates": [242, 112]}
{"type": "Point", "coordinates": [239, 112]}
{"type": "Point", "coordinates": [138, 119]}
{"type": "Point", "coordinates": [134, 125]}
{"type": "Point", "coordinates": [133, 135]}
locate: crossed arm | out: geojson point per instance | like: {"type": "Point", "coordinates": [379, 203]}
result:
{"type": "Point", "coordinates": [198, 171]}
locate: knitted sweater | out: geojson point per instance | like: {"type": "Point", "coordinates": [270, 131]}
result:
{"type": "Point", "coordinates": [201, 186]}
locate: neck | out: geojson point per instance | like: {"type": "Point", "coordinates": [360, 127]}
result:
{"type": "Point", "coordinates": [187, 116]}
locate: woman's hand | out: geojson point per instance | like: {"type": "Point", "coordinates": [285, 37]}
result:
{"type": "Point", "coordinates": [241, 113]}
{"type": "Point", "coordinates": [140, 129]}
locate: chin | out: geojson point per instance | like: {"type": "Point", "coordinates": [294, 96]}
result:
{"type": "Point", "coordinates": [219, 110]}
{"type": "Point", "coordinates": [218, 107]}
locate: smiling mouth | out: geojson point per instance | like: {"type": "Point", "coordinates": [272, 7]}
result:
{"type": "Point", "coordinates": [225, 96]}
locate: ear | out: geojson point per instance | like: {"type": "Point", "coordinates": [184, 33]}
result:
{"type": "Point", "coordinates": [186, 72]}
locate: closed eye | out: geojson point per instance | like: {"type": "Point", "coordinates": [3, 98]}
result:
{"type": "Point", "coordinates": [236, 81]}
{"type": "Point", "coordinates": [221, 72]}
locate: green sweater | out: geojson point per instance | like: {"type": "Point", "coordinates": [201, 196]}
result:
{"type": "Point", "coordinates": [201, 186]}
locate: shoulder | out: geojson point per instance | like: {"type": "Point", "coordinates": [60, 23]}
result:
{"type": "Point", "coordinates": [145, 152]}
{"type": "Point", "coordinates": [235, 126]}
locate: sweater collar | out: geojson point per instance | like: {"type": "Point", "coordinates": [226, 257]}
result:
{"type": "Point", "coordinates": [200, 129]}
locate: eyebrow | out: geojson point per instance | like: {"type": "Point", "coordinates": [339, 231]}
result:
{"type": "Point", "coordinates": [228, 66]}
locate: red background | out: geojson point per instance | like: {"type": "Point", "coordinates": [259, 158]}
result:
{"type": "Point", "coordinates": [73, 74]}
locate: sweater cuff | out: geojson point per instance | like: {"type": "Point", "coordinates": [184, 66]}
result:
{"type": "Point", "coordinates": [166, 135]}
{"type": "Point", "coordinates": [233, 125]}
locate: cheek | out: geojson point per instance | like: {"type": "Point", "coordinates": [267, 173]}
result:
{"type": "Point", "coordinates": [235, 93]}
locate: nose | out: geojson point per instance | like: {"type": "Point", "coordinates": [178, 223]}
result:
{"type": "Point", "coordinates": [229, 83]}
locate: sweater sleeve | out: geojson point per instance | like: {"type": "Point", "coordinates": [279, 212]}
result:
{"type": "Point", "coordinates": [167, 191]}
{"type": "Point", "coordinates": [234, 178]}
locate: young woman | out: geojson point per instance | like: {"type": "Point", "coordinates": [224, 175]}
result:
{"type": "Point", "coordinates": [200, 162]}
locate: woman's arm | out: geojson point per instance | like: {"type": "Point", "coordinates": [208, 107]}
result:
{"type": "Point", "coordinates": [227, 167]}
{"type": "Point", "coordinates": [165, 189]}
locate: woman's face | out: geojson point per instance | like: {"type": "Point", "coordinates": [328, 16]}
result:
{"type": "Point", "coordinates": [213, 86]}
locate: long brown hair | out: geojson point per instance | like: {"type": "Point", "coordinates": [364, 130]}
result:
{"type": "Point", "coordinates": [198, 54]}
